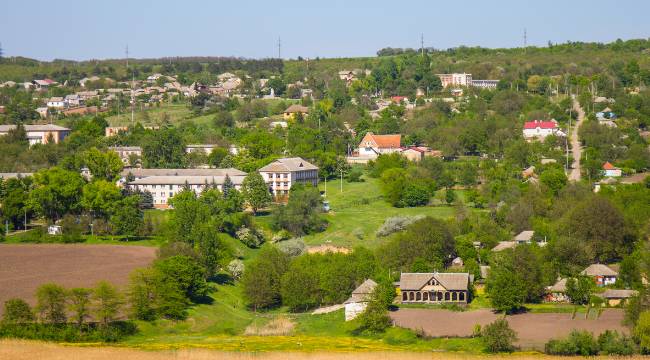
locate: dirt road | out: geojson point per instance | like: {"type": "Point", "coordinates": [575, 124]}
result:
{"type": "Point", "coordinates": [576, 150]}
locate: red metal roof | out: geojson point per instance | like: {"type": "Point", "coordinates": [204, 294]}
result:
{"type": "Point", "coordinates": [540, 124]}
{"type": "Point", "coordinates": [609, 166]}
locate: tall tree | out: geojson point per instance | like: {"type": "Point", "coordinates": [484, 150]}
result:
{"type": "Point", "coordinates": [256, 191]}
{"type": "Point", "coordinates": [50, 304]}
{"type": "Point", "coordinates": [103, 165]}
{"type": "Point", "coordinates": [262, 279]}
{"type": "Point", "coordinates": [56, 192]}
{"type": "Point", "coordinates": [79, 304]}
{"type": "Point", "coordinates": [108, 302]}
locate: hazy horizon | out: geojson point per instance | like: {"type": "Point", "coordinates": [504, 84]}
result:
{"type": "Point", "coordinates": [78, 30]}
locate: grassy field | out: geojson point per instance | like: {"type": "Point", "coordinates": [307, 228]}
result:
{"type": "Point", "coordinates": [358, 212]}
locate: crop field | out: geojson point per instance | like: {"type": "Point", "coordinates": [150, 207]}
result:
{"type": "Point", "coordinates": [31, 350]}
{"type": "Point", "coordinates": [533, 330]}
{"type": "Point", "coordinates": [24, 267]}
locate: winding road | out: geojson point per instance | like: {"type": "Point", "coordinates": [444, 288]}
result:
{"type": "Point", "coordinates": [576, 149]}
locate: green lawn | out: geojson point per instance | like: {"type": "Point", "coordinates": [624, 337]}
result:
{"type": "Point", "coordinates": [358, 212]}
{"type": "Point", "coordinates": [154, 115]}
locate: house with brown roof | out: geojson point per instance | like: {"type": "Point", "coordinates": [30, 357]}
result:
{"type": "Point", "coordinates": [294, 110]}
{"type": "Point", "coordinates": [358, 301]}
{"type": "Point", "coordinates": [435, 288]}
{"type": "Point", "coordinates": [281, 174]}
{"type": "Point", "coordinates": [616, 297]}
{"type": "Point", "coordinates": [602, 274]}
{"type": "Point", "coordinates": [557, 292]}
{"type": "Point", "coordinates": [374, 145]}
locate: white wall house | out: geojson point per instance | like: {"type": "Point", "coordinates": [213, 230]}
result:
{"type": "Point", "coordinates": [206, 148]}
{"type": "Point", "coordinates": [373, 145]}
{"type": "Point", "coordinates": [281, 174]}
{"type": "Point", "coordinates": [538, 129]}
{"type": "Point", "coordinates": [610, 170]}
{"type": "Point", "coordinates": [358, 301]}
{"type": "Point", "coordinates": [56, 103]}
{"type": "Point", "coordinates": [455, 79]}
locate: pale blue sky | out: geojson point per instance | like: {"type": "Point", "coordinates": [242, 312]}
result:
{"type": "Point", "coordinates": [77, 29]}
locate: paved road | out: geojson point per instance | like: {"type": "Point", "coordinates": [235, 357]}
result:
{"type": "Point", "coordinates": [576, 149]}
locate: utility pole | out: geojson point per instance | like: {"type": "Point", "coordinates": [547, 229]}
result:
{"type": "Point", "coordinates": [341, 180]}
{"type": "Point", "coordinates": [127, 57]}
{"type": "Point", "coordinates": [422, 44]}
{"type": "Point", "coordinates": [279, 48]}
{"type": "Point", "coordinates": [132, 98]}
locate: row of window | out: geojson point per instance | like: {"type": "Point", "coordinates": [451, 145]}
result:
{"type": "Point", "coordinates": [433, 296]}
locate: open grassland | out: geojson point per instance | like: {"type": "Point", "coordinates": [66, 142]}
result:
{"type": "Point", "coordinates": [358, 212]}
{"type": "Point", "coordinates": [31, 350]}
{"type": "Point", "coordinates": [23, 268]}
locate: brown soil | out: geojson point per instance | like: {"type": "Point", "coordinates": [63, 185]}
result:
{"type": "Point", "coordinates": [32, 350]}
{"type": "Point", "coordinates": [24, 267]}
{"type": "Point", "coordinates": [533, 330]}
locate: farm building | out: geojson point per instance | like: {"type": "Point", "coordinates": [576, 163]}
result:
{"type": "Point", "coordinates": [358, 301]}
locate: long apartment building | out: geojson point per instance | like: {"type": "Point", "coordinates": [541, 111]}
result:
{"type": "Point", "coordinates": [163, 184]}
{"type": "Point", "coordinates": [39, 134]}
{"type": "Point", "coordinates": [281, 174]}
{"type": "Point", "coordinates": [458, 79]}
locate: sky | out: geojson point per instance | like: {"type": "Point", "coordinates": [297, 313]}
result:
{"type": "Point", "coordinates": [87, 29]}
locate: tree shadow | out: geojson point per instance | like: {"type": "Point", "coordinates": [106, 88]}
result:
{"type": "Point", "coordinates": [222, 279]}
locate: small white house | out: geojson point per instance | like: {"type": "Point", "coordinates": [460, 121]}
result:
{"type": "Point", "coordinates": [538, 129]}
{"type": "Point", "coordinates": [358, 301]}
{"type": "Point", "coordinates": [56, 102]}
{"type": "Point", "coordinates": [610, 170]}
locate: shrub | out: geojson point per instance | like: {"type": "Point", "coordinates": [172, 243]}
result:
{"type": "Point", "coordinates": [114, 332]}
{"type": "Point", "coordinates": [236, 268]}
{"type": "Point", "coordinates": [354, 175]}
{"type": "Point", "coordinates": [578, 343]}
{"type": "Point", "coordinates": [292, 247]}
{"type": "Point", "coordinates": [17, 311]}
{"type": "Point", "coordinates": [397, 223]}
{"type": "Point", "coordinates": [613, 343]}
{"type": "Point", "coordinates": [498, 336]}
{"type": "Point", "coordinates": [250, 237]}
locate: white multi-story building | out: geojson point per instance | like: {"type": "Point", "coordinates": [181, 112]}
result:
{"type": "Point", "coordinates": [164, 187]}
{"type": "Point", "coordinates": [56, 102]}
{"type": "Point", "coordinates": [455, 79]}
{"type": "Point", "coordinates": [281, 174]}
{"type": "Point", "coordinates": [144, 173]}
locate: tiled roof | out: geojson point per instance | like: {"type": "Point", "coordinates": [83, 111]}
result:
{"type": "Point", "coordinates": [502, 245]}
{"type": "Point", "coordinates": [190, 180]}
{"type": "Point", "coordinates": [45, 127]}
{"type": "Point", "coordinates": [526, 235]}
{"type": "Point", "coordinates": [182, 172]}
{"type": "Point", "coordinates": [289, 164]}
{"type": "Point", "coordinates": [609, 166]}
{"type": "Point", "coordinates": [598, 270]}
{"type": "Point", "coordinates": [450, 281]}
{"type": "Point", "coordinates": [559, 286]}
{"type": "Point", "coordinates": [363, 292]}
{"type": "Point", "coordinates": [295, 108]}
{"type": "Point", "coordinates": [618, 294]}
{"type": "Point", "coordinates": [386, 141]}
{"type": "Point", "coordinates": [541, 124]}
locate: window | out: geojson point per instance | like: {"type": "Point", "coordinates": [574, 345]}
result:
{"type": "Point", "coordinates": [162, 194]}
{"type": "Point", "coordinates": [171, 194]}
{"type": "Point", "coordinates": [170, 187]}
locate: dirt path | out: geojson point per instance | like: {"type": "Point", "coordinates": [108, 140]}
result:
{"type": "Point", "coordinates": [533, 330]}
{"type": "Point", "coordinates": [576, 149]}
